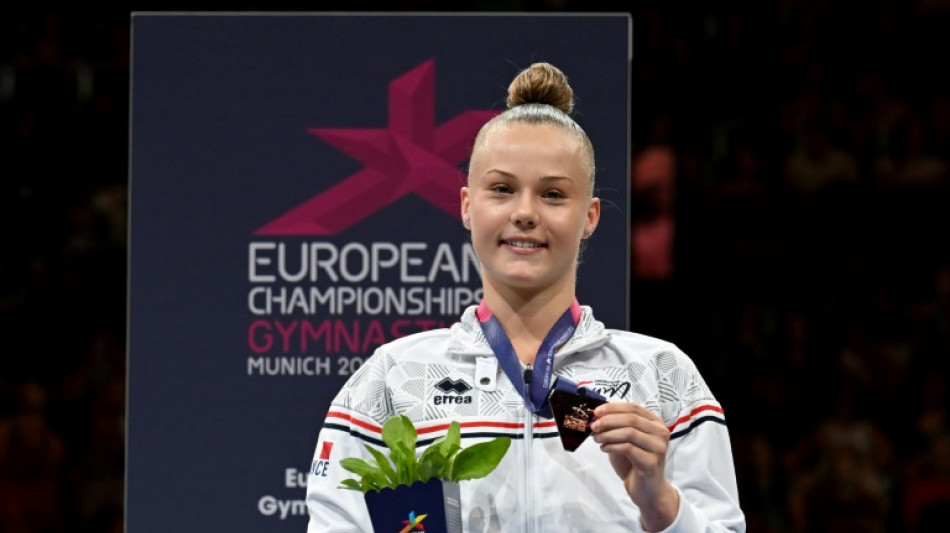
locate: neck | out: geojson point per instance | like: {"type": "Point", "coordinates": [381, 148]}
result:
{"type": "Point", "coordinates": [527, 319]}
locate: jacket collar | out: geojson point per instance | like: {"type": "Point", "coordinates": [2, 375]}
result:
{"type": "Point", "coordinates": [468, 340]}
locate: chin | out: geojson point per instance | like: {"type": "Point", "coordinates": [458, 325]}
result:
{"type": "Point", "coordinates": [524, 281]}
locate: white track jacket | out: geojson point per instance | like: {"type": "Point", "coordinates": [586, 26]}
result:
{"type": "Point", "coordinates": [438, 376]}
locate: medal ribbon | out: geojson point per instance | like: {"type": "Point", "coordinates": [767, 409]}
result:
{"type": "Point", "coordinates": [536, 396]}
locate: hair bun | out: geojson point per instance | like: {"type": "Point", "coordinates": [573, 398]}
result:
{"type": "Point", "coordinates": [541, 83]}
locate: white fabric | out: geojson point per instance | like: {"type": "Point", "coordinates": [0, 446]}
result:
{"type": "Point", "coordinates": [433, 378]}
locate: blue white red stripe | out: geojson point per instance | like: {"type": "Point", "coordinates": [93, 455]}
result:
{"type": "Point", "coordinates": [695, 418]}
{"type": "Point", "coordinates": [370, 431]}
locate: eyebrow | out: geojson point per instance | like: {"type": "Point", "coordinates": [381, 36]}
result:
{"type": "Point", "coordinates": [543, 178]}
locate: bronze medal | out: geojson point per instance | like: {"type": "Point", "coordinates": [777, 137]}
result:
{"type": "Point", "coordinates": [573, 414]}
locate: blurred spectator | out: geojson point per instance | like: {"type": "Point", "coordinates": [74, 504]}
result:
{"type": "Point", "coordinates": [654, 226]}
{"type": "Point", "coordinates": [842, 492]}
{"type": "Point", "coordinates": [818, 164]}
{"type": "Point", "coordinates": [31, 463]}
{"type": "Point", "coordinates": [913, 164]}
{"type": "Point", "coordinates": [926, 502]}
{"type": "Point", "coordinates": [764, 481]}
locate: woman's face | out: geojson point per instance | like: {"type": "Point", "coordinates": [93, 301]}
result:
{"type": "Point", "coordinates": [528, 204]}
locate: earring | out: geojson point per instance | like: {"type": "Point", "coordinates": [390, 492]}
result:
{"type": "Point", "coordinates": [588, 234]}
{"type": "Point", "coordinates": [466, 224]}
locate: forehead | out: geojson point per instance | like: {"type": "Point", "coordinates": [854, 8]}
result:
{"type": "Point", "coordinates": [526, 131]}
{"type": "Point", "coordinates": [523, 144]}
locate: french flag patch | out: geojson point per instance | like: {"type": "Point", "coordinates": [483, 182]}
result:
{"type": "Point", "coordinates": [326, 450]}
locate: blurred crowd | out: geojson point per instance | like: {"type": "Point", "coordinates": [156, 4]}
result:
{"type": "Point", "coordinates": [790, 182]}
{"type": "Point", "coordinates": [63, 122]}
{"type": "Point", "coordinates": [791, 164]}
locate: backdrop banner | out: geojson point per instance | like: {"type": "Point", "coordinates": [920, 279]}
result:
{"type": "Point", "coordinates": [294, 204]}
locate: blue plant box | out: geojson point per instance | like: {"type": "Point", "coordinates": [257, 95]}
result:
{"type": "Point", "coordinates": [434, 505]}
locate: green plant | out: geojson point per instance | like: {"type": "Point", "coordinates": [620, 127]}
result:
{"type": "Point", "coordinates": [443, 459]}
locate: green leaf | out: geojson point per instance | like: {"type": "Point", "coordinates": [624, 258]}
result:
{"type": "Point", "coordinates": [443, 459]}
{"type": "Point", "coordinates": [403, 472]}
{"type": "Point", "coordinates": [369, 473]}
{"type": "Point", "coordinates": [453, 440]}
{"type": "Point", "coordinates": [432, 463]}
{"type": "Point", "coordinates": [437, 459]}
{"type": "Point", "coordinates": [478, 460]}
{"type": "Point", "coordinates": [384, 466]}
{"type": "Point", "coordinates": [398, 432]}
{"type": "Point", "coordinates": [358, 466]}
{"type": "Point", "coordinates": [400, 436]}
{"type": "Point", "coordinates": [431, 467]}
{"type": "Point", "coordinates": [366, 485]}
{"type": "Point", "coordinates": [351, 484]}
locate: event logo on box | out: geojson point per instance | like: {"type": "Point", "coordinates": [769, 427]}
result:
{"type": "Point", "coordinates": [321, 303]}
{"type": "Point", "coordinates": [414, 522]}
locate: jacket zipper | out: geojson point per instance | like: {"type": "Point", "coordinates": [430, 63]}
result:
{"type": "Point", "coordinates": [528, 473]}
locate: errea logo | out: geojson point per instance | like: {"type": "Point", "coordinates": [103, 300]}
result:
{"type": "Point", "coordinates": [457, 387]}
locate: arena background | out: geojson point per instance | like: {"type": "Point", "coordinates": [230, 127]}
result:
{"type": "Point", "coordinates": [790, 189]}
{"type": "Point", "coordinates": [294, 203]}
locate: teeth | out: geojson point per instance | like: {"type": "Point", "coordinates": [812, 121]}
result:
{"type": "Point", "coordinates": [523, 244]}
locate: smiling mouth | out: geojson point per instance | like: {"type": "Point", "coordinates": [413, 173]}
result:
{"type": "Point", "coordinates": [524, 244]}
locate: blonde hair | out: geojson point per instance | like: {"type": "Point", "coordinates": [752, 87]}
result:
{"type": "Point", "coordinates": [540, 94]}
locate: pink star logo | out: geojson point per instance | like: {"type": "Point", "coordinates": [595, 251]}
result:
{"type": "Point", "coordinates": [411, 156]}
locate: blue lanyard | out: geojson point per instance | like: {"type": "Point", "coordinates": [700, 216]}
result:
{"type": "Point", "coordinates": [533, 386]}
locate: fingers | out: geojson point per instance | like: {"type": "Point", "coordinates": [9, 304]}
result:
{"type": "Point", "coordinates": [642, 459]}
{"type": "Point", "coordinates": [626, 407]}
{"type": "Point", "coordinates": [621, 415]}
{"type": "Point", "coordinates": [636, 441]}
{"type": "Point", "coordinates": [619, 424]}
{"type": "Point", "coordinates": [628, 441]}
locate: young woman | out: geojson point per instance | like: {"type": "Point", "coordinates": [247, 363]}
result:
{"type": "Point", "coordinates": [659, 458]}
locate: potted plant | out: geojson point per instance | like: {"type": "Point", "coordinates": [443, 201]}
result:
{"type": "Point", "coordinates": [403, 491]}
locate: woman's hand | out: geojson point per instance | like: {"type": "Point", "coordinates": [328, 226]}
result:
{"type": "Point", "coordinates": [636, 440]}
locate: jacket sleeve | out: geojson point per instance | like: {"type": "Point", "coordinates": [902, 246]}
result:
{"type": "Point", "coordinates": [699, 459]}
{"type": "Point", "coordinates": [353, 421]}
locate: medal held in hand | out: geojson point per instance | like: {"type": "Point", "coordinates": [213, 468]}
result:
{"type": "Point", "coordinates": [573, 413]}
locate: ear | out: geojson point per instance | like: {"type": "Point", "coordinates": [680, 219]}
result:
{"type": "Point", "coordinates": [593, 216]}
{"type": "Point", "coordinates": [464, 200]}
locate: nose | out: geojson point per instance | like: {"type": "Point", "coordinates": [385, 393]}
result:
{"type": "Point", "coordinates": [525, 214]}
